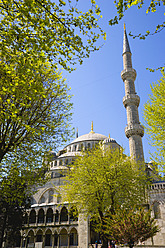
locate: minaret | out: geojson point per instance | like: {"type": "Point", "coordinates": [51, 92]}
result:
{"type": "Point", "coordinates": [133, 131]}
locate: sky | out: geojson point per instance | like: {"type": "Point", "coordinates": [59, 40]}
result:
{"type": "Point", "coordinates": [96, 85]}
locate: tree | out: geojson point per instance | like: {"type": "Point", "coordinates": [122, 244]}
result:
{"type": "Point", "coordinates": [154, 112]}
{"type": "Point", "coordinates": [55, 31]}
{"type": "Point", "coordinates": [130, 226]}
{"type": "Point", "coordinates": [99, 181]}
{"type": "Point", "coordinates": [14, 200]}
{"type": "Point", "coordinates": [34, 112]}
{"type": "Point", "coordinates": [152, 6]}
{"type": "Point", "coordinates": [34, 116]}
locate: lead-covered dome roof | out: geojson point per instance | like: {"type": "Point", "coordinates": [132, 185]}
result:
{"type": "Point", "coordinates": [90, 136]}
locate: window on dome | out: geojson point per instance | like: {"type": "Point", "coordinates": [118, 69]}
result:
{"type": "Point", "coordinates": [82, 147]}
{"type": "Point", "coordinates": [66, 161]}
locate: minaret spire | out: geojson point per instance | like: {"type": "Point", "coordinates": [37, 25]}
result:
{"type": "Point", "coordinates": [126, 47]}
{"type": "Point", "coordinates": [133, 131]}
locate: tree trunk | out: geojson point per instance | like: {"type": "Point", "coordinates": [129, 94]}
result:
{"type": "Point", "coordinates": [3, 229]}
{"type": "Point", "coordinates": [104, 242]}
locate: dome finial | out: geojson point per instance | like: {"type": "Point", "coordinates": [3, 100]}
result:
{"type": "Point", "coordinates": [91, 128]}
{"type": "Point", "coordinates": [124, 26]}
{"type": "Point", "coordinates": [109, 136]}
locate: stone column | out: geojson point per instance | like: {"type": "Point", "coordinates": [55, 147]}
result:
{"type": "Point", "coordinates": [43, 241]}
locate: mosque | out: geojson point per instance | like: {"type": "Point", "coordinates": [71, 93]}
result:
{"type": "Point", "coordinates": [49, 224]}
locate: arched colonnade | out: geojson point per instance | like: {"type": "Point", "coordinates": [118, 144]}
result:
{"type": "Point", "coordinates": [48, 216]}
{"type": "Point", "coordinates": [62, 238]}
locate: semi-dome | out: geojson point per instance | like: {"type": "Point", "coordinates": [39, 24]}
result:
{"type": "Point", "coordinates": [90, 136]}
{"type": "Point", "coordinates": [109, 140]}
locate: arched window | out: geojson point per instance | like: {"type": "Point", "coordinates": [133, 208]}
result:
{"type": "Point", "coordinates": [39, 236]}
{"type": "Point", "coordinates": [32, 217]}
{"type": "Point", "coordinates": [51, 193]}
{"type": "Point", "coordinates": [64, 215]}
{"type": "Point", "coordinates": [63, 237]}
{"type": "Point", "coordinates": [82, 147]}
{"type": "Point", "coordinates": [56, 216]}
{"type": "Point", "coordinates": [60, 162]}
{"type": "Point", "coordinates": [49, 216]}
{"type": "Point", "coordinates": [41, 216]}
{"type": "Point", "coordinates": [55, 239]}
{"type": "Point", "coordinates": [89, 145]}
{"type": "Point", "coordinates": [30, 239]}
{"type": "Point", "coordinates": [48, 238]}
{"type": "Point", "coordinates": [73, 237]}
{"type": "Point", "coordinates": [66, 161]}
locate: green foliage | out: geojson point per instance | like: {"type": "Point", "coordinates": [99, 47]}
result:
{"type": "Point", "coordinates": [100, 180]}
{"type": "Point", "coordinates": [130, 226]}
{"type": "Point", "coordinates": [56, 31]}
{"type": "Point", "coordinates": [123, 5]}
{"type": "Point", "coordinates": [154, 112]}
{"type": "Point", "coordinates": [34, 117]}
{"type": "Point", "coordinates": [34, 111]}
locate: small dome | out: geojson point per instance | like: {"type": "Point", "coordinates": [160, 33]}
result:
{"type": "Point", "coordinates": [90, 136]}
{"type": "Point", "coordinates": [109, 140]}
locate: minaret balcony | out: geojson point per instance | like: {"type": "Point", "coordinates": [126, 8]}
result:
{"type": "Point", "coordinates": [131, 99]}
{"type": "Point", "coordinates": [128, 73]}
{"type": "Point", "coordinates": [134, 129]}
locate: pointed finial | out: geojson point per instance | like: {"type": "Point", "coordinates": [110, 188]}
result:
{"type": "Point", "coordinates": [109, 136]}
{"type": "Point", "coordinates": [77, 133]}
{"type": "Point", "coordinates": [126, 47]}
{"type": "Point", "coordinates": [91, 128]}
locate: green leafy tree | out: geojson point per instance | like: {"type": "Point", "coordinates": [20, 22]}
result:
{"type": "Point", "coordinates": [34, 116]}
{"type": "Point", "coordinates": [130, 226]}
{"type": "Point", "coordinates": [57, 31]}
{"type": "Point", "coordinates": [99, 181]}
{"type": "Point", "coordinates": [34, 113]}
{"type": "Point", "coordinates": [154, 112]}
{"type": "Point", "coordinates": [151, 6]}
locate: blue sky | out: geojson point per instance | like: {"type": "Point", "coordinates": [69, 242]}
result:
{"type": "Point", "coordinates": [97, 85]}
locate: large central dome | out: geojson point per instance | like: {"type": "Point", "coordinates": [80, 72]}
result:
{"type": "Point", "coordinates": [90, 136]}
